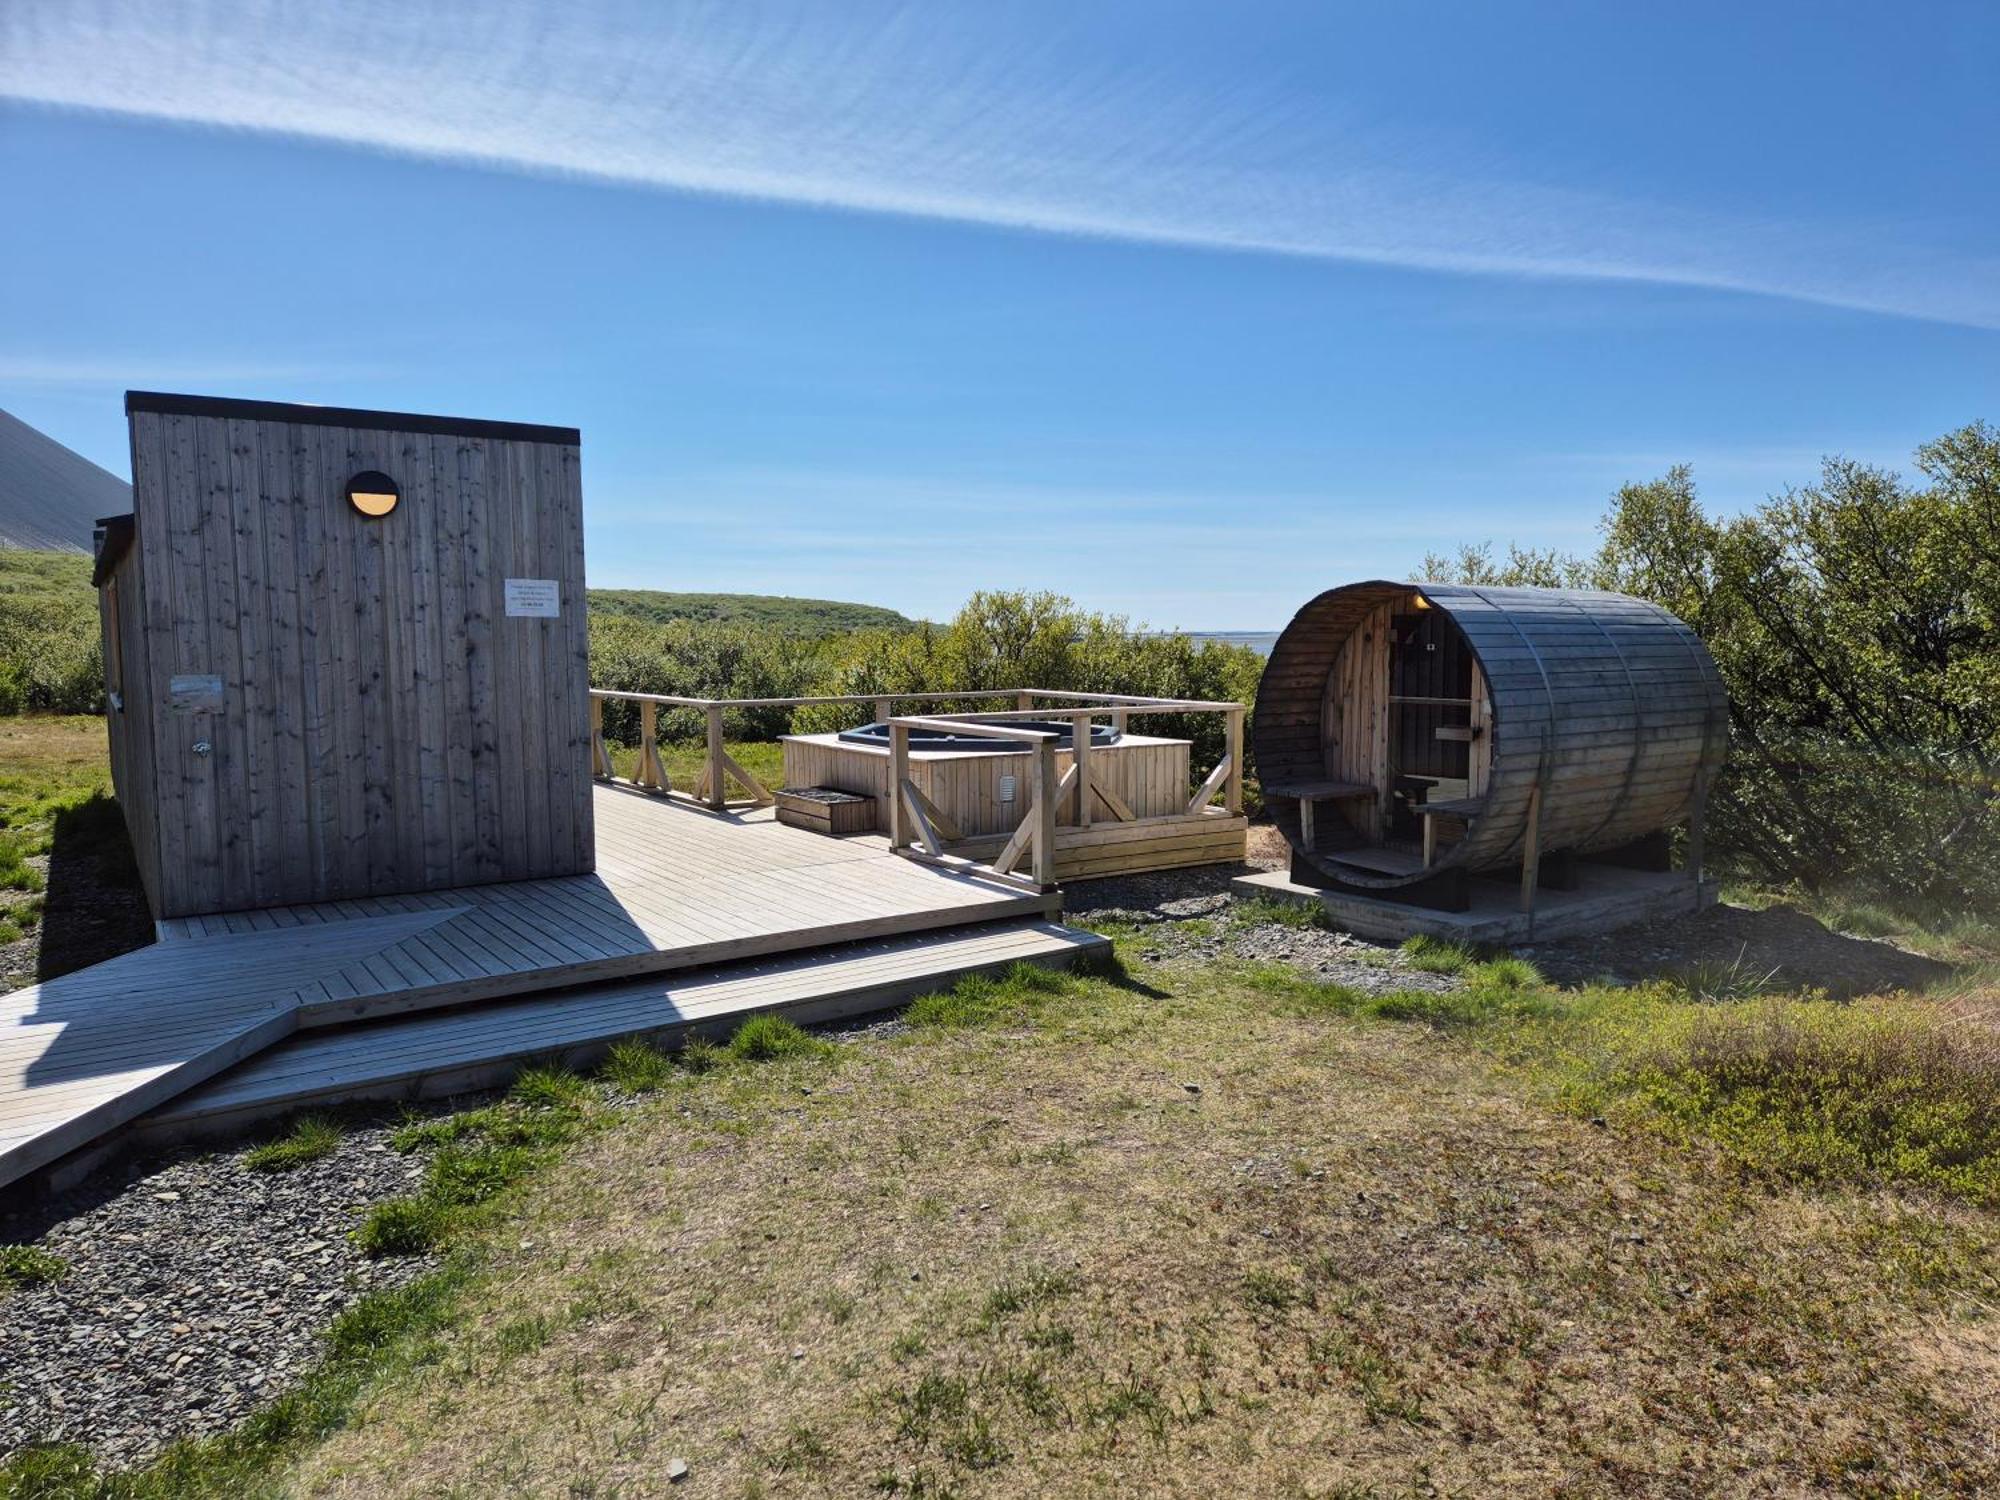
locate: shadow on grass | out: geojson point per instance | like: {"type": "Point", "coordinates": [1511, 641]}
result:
{"type": "Point", "coordinates": [95, 907]}
{"type": "Point", "coordinates": [1112, 970]}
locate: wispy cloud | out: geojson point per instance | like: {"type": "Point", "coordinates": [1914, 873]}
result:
{"type": "Point", "coordinates": [960, 113]}
{"type": "Point", "coordinates": [143, 371]}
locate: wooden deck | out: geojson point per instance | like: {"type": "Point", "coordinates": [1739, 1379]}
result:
{"type": "Point", "coordinates": [449, 1052]}
{"type": "Point", "coordinates": [676, 888]}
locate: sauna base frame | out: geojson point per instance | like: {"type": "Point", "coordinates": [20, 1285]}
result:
{"type": "Point", "coordinates": [1445, 891]}
{"type": "Point", "coordinates": [1606, 898]}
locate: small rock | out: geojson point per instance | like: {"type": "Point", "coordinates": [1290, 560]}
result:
{"type": "Point", "coordinates": [1192, 1088]}
{"type": "Point", "coordinates": [677, 1470]}
{"type": "Point", "coordinates": [167, 1197]}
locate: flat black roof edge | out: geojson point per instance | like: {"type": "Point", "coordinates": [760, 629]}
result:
{"type": "Point", "coordinates": [345, 416]}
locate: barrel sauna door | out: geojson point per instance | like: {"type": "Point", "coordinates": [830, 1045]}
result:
{"type": "Point", "coordinates": [1430, 689]}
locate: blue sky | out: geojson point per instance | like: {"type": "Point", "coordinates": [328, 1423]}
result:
{"type": "Point", "coordinates": [1186, 311]}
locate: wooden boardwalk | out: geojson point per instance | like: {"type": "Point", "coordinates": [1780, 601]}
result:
{"type": "Point", "coordinates": [449, 1052]}
{"type": "Point", "coordinates": [676, 888]}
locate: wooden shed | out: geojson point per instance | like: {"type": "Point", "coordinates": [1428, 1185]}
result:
{"type": "Point", "coordinates": [1407, 734]}
{"type": "Point", "coordinates": [345, 652]}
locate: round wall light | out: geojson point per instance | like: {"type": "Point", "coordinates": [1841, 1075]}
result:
{"type": "Point", "coordinates": [373, 493]}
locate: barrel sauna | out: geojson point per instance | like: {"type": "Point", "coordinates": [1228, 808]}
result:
{"type": "Point", "coordinates": [1407, 734]}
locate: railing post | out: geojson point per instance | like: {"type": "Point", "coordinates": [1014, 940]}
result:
{"type": "Point", "coordinates": [1698, 832]}
{"type": "Point", "coordinates": [885, 710]}
{"type": "Point", "coordinates": [717, 777]}
{"type": "Point", "coordinates": [600, 757]}
{"type": "Point", "coordinates": [1024, 700]}
{"type": "Point", "coordinates": [1079, 743]}
{"type": "Point", "coordinates": [1232, 793]}
{"type": "Point", "coordinates": [899, 772]}
{"type": "Point", "coordinates": [1045, 814]}
{"type": "Point", "coordinates": [648, 744]}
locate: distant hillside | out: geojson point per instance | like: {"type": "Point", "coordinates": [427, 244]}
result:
{"type": "Point", "coordinates": [808, 616]}
{"type": "Point", "coordinates": [50, 497]}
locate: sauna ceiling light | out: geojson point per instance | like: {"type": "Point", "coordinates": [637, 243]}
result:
{"type": "Point", "coordinates": [373, 493]}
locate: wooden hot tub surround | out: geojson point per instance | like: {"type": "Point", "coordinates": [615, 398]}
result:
{"type": "Point", "coordinates": [1077, 811]}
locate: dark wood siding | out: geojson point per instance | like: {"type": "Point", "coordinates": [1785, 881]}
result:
{"type": "Point", "coordinates": [383, 724]}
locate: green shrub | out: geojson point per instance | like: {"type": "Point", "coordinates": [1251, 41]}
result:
{"type": "Point", "coordinates": [1855, 622]}
{"type": "Point", "coordinates": [56, 1471]}
{"type": "Point", "coordinates": [401, 1226]}
{"type": "Point", "coordinates": [1012, 998]}
{"type": "Point", "coordinates": [550, 1088]}
{"type": "Point", "coordinates": [421, 1135]}
{"type": "Point", "coordinates": [462, 1175]}
{"type": "Point", "coordinates": [1470, 1006]}
{"type": "Point", "coordinates": [51, 653]}
{"type": "Point", "coordinates": [1717, 981]}
{"type": "Point", "coordinates": [16, 874]}
{"type": "Point", "coordinates": [309, 1140]}
{"type": "Point", "coordinates": [700, 1055]}
{"type": "Point", "coordinates": [762, 1038]}
{"type": "Point", "coordinates": [1809, 1089]}
{"type": "Point", "coordinates": [1435, 955]}
{"type": "Point", "coordinates": [25, 1266]}
{"type": "Point", "coordinates": [635, 1067]}
{"type": "Point", "coordinates": [1504, 973]}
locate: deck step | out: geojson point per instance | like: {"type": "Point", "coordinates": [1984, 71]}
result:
{"type": "Point", "coordinates": [434, 1054]}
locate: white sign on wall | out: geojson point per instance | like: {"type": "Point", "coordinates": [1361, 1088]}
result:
{"type": "Point", "coordinates": [536, 598]}
{"type": "Point", "coordinates": [194, 692]}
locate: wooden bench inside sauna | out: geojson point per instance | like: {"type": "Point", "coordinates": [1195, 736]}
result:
{"type": "Point", "coordinates": [1407, 735]}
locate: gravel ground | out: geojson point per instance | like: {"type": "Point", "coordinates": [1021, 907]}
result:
{"type": "Point", "coordinates": [196, 1290]}
{"type": "Point", "coordinates": [1190, 915]}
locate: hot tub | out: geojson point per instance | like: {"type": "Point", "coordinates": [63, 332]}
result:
{"type": "Point", "coordinates": [939, 741]}
{"type": "Point", "coordinates": [985, 785]}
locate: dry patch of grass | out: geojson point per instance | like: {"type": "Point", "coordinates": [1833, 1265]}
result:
{"type": "Point", "coordinates": [1196, 1239]}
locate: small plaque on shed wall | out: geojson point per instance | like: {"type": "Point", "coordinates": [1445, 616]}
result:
{"type": "Point", "coordinates": [194, 692]}
{"type": "Point", "coordinates": [537, 598]}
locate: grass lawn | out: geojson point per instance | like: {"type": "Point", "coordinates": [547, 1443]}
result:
{"type": "Point", "coordinates": [51, 768]}
{"type": "Point", "coordinates": [1196, 1231]}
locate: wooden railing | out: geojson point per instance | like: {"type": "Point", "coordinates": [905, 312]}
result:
{"type": "Point", "coordinates": [917, 827]}
{"type": "Point", "coordinates": [911, 812]}
{"type": "Point", "coordinates": [719, 767]}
